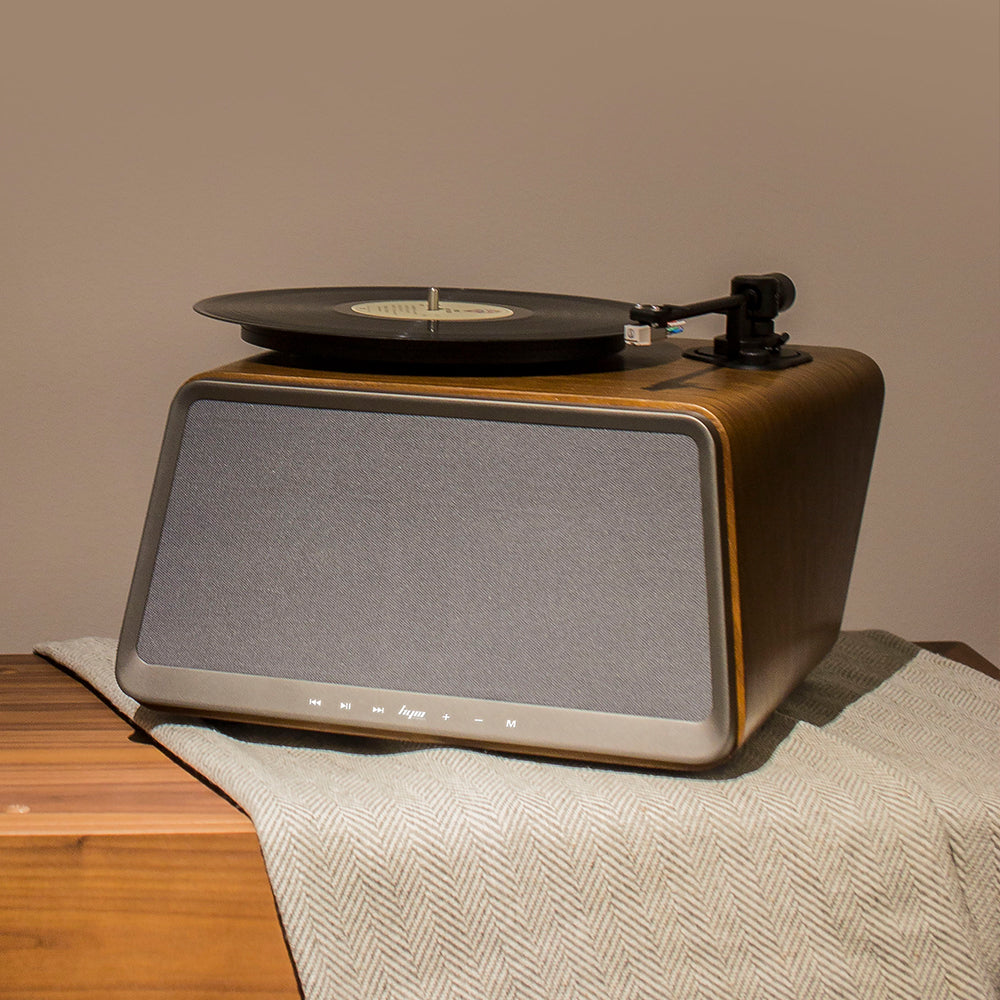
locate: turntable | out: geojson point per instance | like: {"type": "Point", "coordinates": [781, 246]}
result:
{"type": "Point", "coordinates": [536, 523]}
{"type": "Point", "coordinates": [450, 328]}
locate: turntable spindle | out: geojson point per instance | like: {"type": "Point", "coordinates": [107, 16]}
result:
{"type": "Point", "coordinates": [432, 300]}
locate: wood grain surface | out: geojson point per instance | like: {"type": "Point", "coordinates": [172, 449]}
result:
{"type": "Point", "coordinates": [122, 874]}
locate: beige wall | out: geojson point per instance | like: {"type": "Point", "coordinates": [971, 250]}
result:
{"type": "Point", "coordinates": [634, 150]}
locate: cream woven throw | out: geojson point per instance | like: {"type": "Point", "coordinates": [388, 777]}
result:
{"type": "Point", "coordinates": [851, 851]}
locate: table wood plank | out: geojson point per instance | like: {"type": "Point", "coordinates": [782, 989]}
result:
{"type": "Point", "coordinates": [122, 873]}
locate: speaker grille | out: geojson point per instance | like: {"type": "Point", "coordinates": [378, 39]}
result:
{"type": "Point", "coordinates": [513, 561]}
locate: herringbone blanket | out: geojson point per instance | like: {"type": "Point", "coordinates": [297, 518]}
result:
{"type": "Point", "coordinates": [852, 850]}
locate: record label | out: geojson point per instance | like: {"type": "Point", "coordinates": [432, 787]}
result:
{"type": "Point", "coordinates": [446, 312]}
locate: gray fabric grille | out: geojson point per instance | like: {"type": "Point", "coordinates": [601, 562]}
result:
{"type": "Point", "coordinates": [516, 562]}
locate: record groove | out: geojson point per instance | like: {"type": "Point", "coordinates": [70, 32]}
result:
{"type": "Point", "coordinates": [417, 325]}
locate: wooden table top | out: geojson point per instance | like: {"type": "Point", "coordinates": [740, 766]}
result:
{"type": "Point", "coordinates": [70, 761]}
{"type": "Point", "coordinates": [124, 875]}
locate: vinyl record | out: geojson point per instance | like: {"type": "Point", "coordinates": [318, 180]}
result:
{"type": "Point", "coordinates": [421, 326]}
